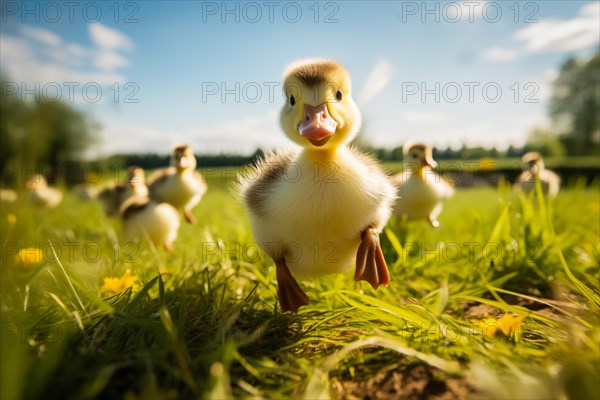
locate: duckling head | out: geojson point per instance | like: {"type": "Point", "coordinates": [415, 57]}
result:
{"type": "Point", "coordinates": [319, 112]}
{"type": "Point", "coordinates": [36, 182]}
{"type": "Point", "coordinates": [533, 162]}
{"type": "Point", "coordinates": [419, 155]}
{"type": "Point", "coordinates": [135, 176]}
{"type": "Point", "coordinates": [183, 158]}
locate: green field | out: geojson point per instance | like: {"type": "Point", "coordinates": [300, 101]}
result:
{"type": "Point", "coordinates": [209, 327]}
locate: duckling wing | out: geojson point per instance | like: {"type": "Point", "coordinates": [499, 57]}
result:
{"type": "Point", "coordinates": [400, 178]}
{"type": "Point", "coordinates": [159, 176]}
{"type": "Point", "coordinates": [133, 205]}
{"type": "Point", "coordinates": [258, 183]}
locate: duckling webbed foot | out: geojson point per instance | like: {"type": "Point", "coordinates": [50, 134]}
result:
{"type": "Point", "coordinates": [370, 263]}
{"type": "Point", "coordinates": [189, 217]}
{"type": "Point", "coordinates": [291, 296]}
{"type": "Point", "coordinates": [434, 222]}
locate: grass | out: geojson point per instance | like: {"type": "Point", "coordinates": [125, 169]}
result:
{"type": "Point", "coordinates": [207, 325]}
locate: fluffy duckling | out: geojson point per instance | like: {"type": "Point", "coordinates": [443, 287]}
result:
{"type": "Point", "coordinates": [40, 194]}
{"type": "Point", "coordinates": [134, 184]}
{"type": "Point", "coordinates": [421, 192]}
{"type": "Point", "coordinates": [534, 170]}
{"type": "Point", "coordinates": [179, 185]}
{"type": "Point", "coordinates": [85, 191]}
{"type": "Point", "coordinates": [8, 196]}
{"type": "Point", "coordinates": [317, 210]}
{"type": "Point", "coordinates": [145, 218]}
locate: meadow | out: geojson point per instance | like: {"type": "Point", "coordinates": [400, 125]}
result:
{"type": "Point", "coordinates": [501, 301]}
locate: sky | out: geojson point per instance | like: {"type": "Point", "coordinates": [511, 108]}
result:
{"type": "Point", "coordinates": [208, 74]}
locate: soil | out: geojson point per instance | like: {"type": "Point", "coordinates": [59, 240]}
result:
{"type": "Point", "coordinates": [415, 382]}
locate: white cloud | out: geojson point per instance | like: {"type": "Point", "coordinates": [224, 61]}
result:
{"type": "Point", "coordinates": [41, 35]}
{"type": "Point", "coordinates": [109, 60]}
{"type": "Point", "coordinates": [499, 54]}
{"type": "Point", "coordinates": [554, 35]}
{"type": "Point", "coordinates": [57, 62]}
{"type": "Point", "coordinates": [377, 80]}
{"type": "Point", "coordinates": [242, 135]}
{"type": "Point", "coordinates": [109, 39]}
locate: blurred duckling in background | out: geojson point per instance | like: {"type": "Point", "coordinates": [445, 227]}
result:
{"type": "Point", "coordinates": [40, 194]}
{"type": "Point", "coordinates": [180, 184]}
{"type": "Point", "coordinates": [113, 197]}
{"type": "Point", "coordinates": [85, 191]}
{"type": "Point", "coordinates": [144, 219]}
{"type": "Point", "coordinates": [421, 192]}
{"type": "Point", "coordinates": [535, 170]}
{"type": "Point", "coordinates": [321, 220]}
{"type": "Point", "coordinates": [8, 196]}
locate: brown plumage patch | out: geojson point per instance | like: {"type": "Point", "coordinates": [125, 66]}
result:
{"type": "Point", "coordinates": [419, 146]}
{"type": "Point", "coordinates": [266, 173]}
{"type": "Point", "coordinates": [160, 176]}
{"type": "Point", "coordinates": [181, 149]}
{"type": "Point", "coordinates": [133, 205]}
{"type": "Point", "coordinates": [316, 73]}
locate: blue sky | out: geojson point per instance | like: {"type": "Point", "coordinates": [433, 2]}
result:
{"type": "Point", "coordinates": [414, 65]}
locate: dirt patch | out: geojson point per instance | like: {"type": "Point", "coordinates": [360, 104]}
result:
{"type": "Point", "coordinates": [412, 382]}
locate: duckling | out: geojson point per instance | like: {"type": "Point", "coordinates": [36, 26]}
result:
{"type": "Point", "coordinates": [421, 191]}
{"type": "Point", "coordinates": [8, 196]}
{"type": "Point", "coordinates": [319, 209]}
{"type": "Point", "coordinates": [143, 217]}
{"type": "Point", "coordinates": [179, 185]}
{"type": "Point", "coordinates": [114, 196]}
{"type": "Point", "coordinates": [85, 191]}
{"type": "Point", "coordinates": [534, 170]}
{"type": "Point", "coordinates": [40, 194]}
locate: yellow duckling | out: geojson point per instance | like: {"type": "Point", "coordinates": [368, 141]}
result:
{"type": "Point", "coordinates": [40, 194]}
{"type": "Point", "coordinates": [8, 196]}
{"type": "Point", "coordinates": [534, 170]}
{"type": "Point", "coordinates": [179, 185]}
{"type": "Point", "coordinates": [421, 192]}
{"type": "Point", "coordinates": [144, 218]}
{"type": "Point", "coordinates": [316, 210]}
{"type": "Point", "coordinates": [114, 196]}
{"type": "Point", "coordinates": [85, 191]}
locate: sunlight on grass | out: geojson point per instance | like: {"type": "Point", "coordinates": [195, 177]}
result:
{"type": "Point", "coordinates": [205, 322]}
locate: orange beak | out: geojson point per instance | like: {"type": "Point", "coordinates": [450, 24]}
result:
{"type": "Point", "coordinates": [317, 125]}
{"type": "Point", "coordinates": [429, 162]}
{"type": "Point", "coordinates": [182, 163]}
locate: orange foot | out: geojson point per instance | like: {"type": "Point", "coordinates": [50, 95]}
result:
{"type": "Point", "coordinates": [370, 264]}
{"type": "Point", "coordinates": [291, 296]}
{"type": "Point", "coordinates": [189, 217]}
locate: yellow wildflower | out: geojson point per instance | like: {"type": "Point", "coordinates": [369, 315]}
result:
{"type": "Point", "coordinates": [30, 257]}
{"type": "Point", "coordinates": [11, 218]}
{"type": "Point", "coordinates": [164, 273]}
{"type": "Point", "coordinates": [507, 324]}
{"type": "Point", "coordinates": [116, 285]}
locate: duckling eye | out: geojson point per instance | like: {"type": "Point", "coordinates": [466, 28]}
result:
{"type": "Point", "coordinates": [338, 95]}
{"type": "Point", "coordinates": [292, 100]}
{"type": "Point", "coordinates": [414, 155]}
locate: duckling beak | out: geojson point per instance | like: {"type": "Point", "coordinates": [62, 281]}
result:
{"type": "Point", "coordinates": [429, 162]}
{"type": "Point", "coordinates": [317, 125]}
{"type": "Point", "coordinates": [183, 162]}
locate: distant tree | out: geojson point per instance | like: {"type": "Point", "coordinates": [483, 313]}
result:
{"type": "Point", "coordinates": [545, 142]}
{"type": "Point", "coordinates": [40, 136]}
{"type": "Point", "coordinates": [575, 103]}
